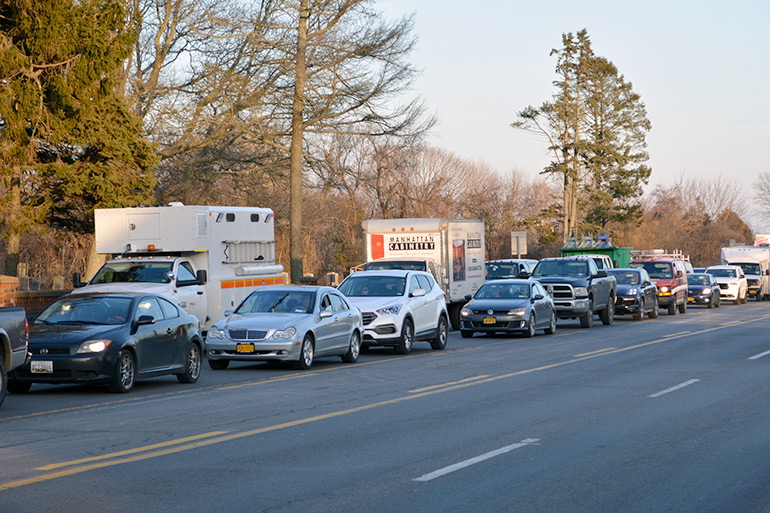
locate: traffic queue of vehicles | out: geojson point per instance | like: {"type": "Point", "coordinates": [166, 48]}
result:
{"type": "Point", "coordinates": [191, 283]}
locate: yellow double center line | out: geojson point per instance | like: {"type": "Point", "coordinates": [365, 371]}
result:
{"type": "Point", "coordinates": [216, 437]}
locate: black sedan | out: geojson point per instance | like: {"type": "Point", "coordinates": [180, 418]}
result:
{"type": "Point", "coordinates": [110, 338]}
{"type": "Point", "coordinates": [636, 294]}
{"type": "Point", "coordinates": [702, 289]}
{"type": "Point", "coordinates": [510, 306]}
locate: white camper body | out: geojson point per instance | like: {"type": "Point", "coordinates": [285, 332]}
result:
{"type": "Point", "coordinates": [455, 247]}
{"type": "Point", "coordinates": [233, 246]}
{"type": "Point", "coordinates": [755, 262]}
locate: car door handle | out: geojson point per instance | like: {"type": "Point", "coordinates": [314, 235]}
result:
{"type": "Point", "coordinates": [200, 292]}
{"type": "Point", "coordinates": [169, 331]}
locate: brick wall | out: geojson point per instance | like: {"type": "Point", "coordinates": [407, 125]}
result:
{"type": "Point", "coordinates": [8, 288]}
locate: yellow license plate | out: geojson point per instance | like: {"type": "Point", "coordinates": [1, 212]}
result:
{"type": "Point", "coordinates": [690, 299]}
{"type": "Point", "coordinates": [490, 320]}
{"type": "Point", "coordinates": [245, 348]}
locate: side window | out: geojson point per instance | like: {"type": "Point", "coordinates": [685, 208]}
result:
{"type": "Point", "coordinates": [185, 273]}
{"type": "Point", "coordinates": [170, 311]}
{"type": "Point", "coordinates": [425, 283]}
{"type": "Point", "coordinates": [413, 284]}
{"type": "Point", "coordinates": [540, 290]}
{"type": "Point", "coordinates": [149, 306]}
{"type": "Point", "coordinates": [326, 303]}
{"type": "Point", "coordinates": [338, 305]}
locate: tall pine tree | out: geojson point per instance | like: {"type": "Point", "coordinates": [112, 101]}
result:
{"type": "Point", "coordinates": [67, 141]}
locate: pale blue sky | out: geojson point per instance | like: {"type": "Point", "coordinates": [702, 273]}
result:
{"type": "Point", "coordinates": [701, 67]}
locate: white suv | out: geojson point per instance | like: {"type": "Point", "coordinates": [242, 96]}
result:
{"type": "Point", "coordinates": [733, 285]}
{"type": "Point", "coordinates": [399, 308]}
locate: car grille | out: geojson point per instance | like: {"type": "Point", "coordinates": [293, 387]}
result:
{"type": "Point", "coordinates": [558, 291]}
{"type": "Point", "coordinates": [46, 351]}
{"type": "Point", "coordinates": [247, 334]}
{"type": "Point", "coordinates": [481, 324]}
{"type": "Point", "coordinates": [368, 317]}
{"type": "Point", "coordinates": [494, 312]}
{"type": "Point", "coordinates": [723, 286]}
{"type": "Point", "coordinates": [753, 283]}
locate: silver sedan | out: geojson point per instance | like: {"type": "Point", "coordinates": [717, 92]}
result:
{"type": "Point", "coordinates": [287, 323]}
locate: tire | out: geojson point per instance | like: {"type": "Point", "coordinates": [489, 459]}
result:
{"type": "Point", "coordinates": [672, 308]}
{"type": "Point", "coordinates": [3, 380]}
{"type": "Point", "coordinates": [19, 387]}
{"type": "Point", "coordinates": [306, 354]}
{"type": "Point", "coordinates": [744, 300]}
{"type": "Point", "coordinates": [354, 349]}
{"type": "Point", "coordinates": [653, 314]}
{"type": "Point", "coordinates": [125, 373]}
{"type": "Point", "coordinates": [453, 310]}
{"type": "Point", "coordinates": [407, 338]}
{"type": "Point", "coordinates": [607, 315]}
{"type": "Point", "coordinates": [219, 364]}
{"type": "Point", "coordinates": [192, 365]}
{"type": "Point", "coordinates": [683, 307]}
{"type": "Point", "coordinates": [718, 302]}
{"type": "Point", "coordinates": [466, 333]}
{"type": "Point", "coordinates": [442, 333]}
{"type": "Point", "coordinates": [710, 304]}
{"type": "Point", "coordinates": [587, 320]}
{"type": "Point", "coordinates": [551, 329]}
{"type": "Point", "coordinates": [640, 315]}
{"type": "Point", "coordinates": [531, 326]}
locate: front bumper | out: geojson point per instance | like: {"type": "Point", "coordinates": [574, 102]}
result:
{"type": "Point", "coordinates": [253, 350]}
{"type": "Point", "coordinates": [627, 305]}
{"type": "Point", "coordinates": [382, 330]}
{"type": "Point", "coordinates": [72, 368]}
{"type": "Point", "coordinates": [729, 293]}
{"type": "Point", "coordinates": [571, 308]}
{"type": "Point", "coordinates": [483, 323]}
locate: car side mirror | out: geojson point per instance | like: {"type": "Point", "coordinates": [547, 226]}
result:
{"type": "Point", "coordinates": [228, 313]}
{"type": "Point", "coordinates": [646, 284]}
{"type": "Point", "coordinates": [326, 314]}
{"type": "Point", "coordinates": [418, 293]}
{"type": "Point", "coordinates": [76, 283]}
{"type": "Point", "coordinates": [202, 276]}
{"type": "Point", "coordinates": [601, 274]}
{"type": "Point", "coordinates": [468, 297]}
{"type": "Point", "coordinates": [539, 297]}
{"type": "Point", "coordinates": [145, 319]}
{"type": "Point", "coordinates": [523, 275]}
{"type": "Point", "coordinates": [679, 274]}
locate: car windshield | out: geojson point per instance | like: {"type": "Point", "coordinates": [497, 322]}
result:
{"type": "Point", "coordinates": [278, 301]}
{"type": "Point", "coordinates": [697, 279]}
{"type": "Point", "coordinates": [498, 270]}
{"type": "Point", "coordinates": [86, 310]}
{"type": "Point", "coordinates": [121, 272]}
{"type": "Point", "coordinates": [625, 277]}
{"type": "Point", "coordinates": [387, 266]}
{"type": "Point", "coordinates": [362, 286]}
{"type": "Point", "coordinates": [657, 270]}
{"type": "Point", "coordinates": [575, 268]}
{"type": "Point", "coordinates": [723, 273]}
{"type": "Point", "coordinates": [503, 291]}
{"type": "Point", "coordinates": [749, 268]}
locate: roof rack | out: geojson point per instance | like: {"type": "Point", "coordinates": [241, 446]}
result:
{"type": "Point", "coordinates": [639, 254]}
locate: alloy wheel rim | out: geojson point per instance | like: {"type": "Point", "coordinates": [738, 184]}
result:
{"type": "Point", "coordinates": [307, 352]}
{"type": "Point", "coordinates": [355, 345]}
{"type": "Point", "coordinates": [194, 362]}
{"type": "Point", "coordinates": [126, 371]}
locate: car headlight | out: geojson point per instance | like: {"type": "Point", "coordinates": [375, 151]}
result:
{"type": "Point", "coordinates": [706, 292]}
{"type": "Point", "coordinates": [215, 332]}
{"type": "Point", "coordinates": [581, 292]}
{"type": "Point", "coordinates": [664, 289]}
{"type": "Point", "coordinates": [465, 312]}
{"type": "Point", "coordinates": [632, 292]}
{"type": "Point", "coordinates": [285, 333]}
{"type": "Point", "coordinates": [517, 312]}
{"type": "Point", "coordinates": [93, 346]}
{"type": "Point", "coordinates": [389, 310]}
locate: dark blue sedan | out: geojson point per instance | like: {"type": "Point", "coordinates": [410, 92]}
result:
{"type": "Point", "coordinates": [510, 306]}
{"type": "Point", "coordinates": [702, 289]}
{"type": "Point", "coordinates": [112, 339]}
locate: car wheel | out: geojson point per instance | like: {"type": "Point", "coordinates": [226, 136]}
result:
{"type": "Point", "coordinates": [354, 349]}
{"type": "Point", "coordinates": [3, 380]}
{"type": "Point", "coordinates": [125, 373]}
{"type": "Point", "coordinates": [640, 314]}
{"type": "Point", "coordinates": [442, 333]}
{"type": "Point", "coordinates": [710, 304]}
{"type": "Point", "coordinates": [306, 353]}
{"type": "Point", "coordinates": [607, 315]}
{"type": "Point", "coordinates": [19, 387]}
{"type": "Point", "coordinates": [718, 302]}
{"type": "Point", "coordinates": [587, 320]}
{"type": "Point", "coordinates": [218, 364]}
{"type": "Point", "coordinates": [466, 333]}
{"type": "Point", "coordinates": [653, 314]}
{"type": "Point", "coordinates": [683, 307]}
{"type": "Point", "coordinates": [672, 308]}
{"type": "Point", "coordinates": [407, 338]}
{"type": "Point", "coordinates": [530, 327]}
{"type": "Point", "coordinates": [551, 329]}
{"type": "Point", "coordinates": [743, 299]}
{"type": "Point", "coordinates": [192, 365]}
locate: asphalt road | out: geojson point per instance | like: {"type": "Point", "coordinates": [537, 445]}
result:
{"type": "Point", "coordinates": [665, 415]}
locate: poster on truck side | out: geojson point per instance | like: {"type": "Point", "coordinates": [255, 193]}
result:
{"type": "Point", "coordinates": [466, 246]}
{"type": "Point", "coordinates": [404, 245]}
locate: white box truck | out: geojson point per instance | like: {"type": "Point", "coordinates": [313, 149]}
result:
{"type": "Point", "coordinates": [452, 249]}
{"type": "Point", "coordinates": [755, 262]}
{"type": "Point", "coordinates": [205, 258]}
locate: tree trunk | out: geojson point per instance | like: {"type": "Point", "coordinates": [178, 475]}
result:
{"type": "Point", "coordinates": [13, 244]}
{"type": "Point", "coordinates": [297, 131]}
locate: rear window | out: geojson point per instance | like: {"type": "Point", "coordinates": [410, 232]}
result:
{"type": "Point", "coordinates": [387, 266]}
{"type": "Point", "coordinates": [659, 270]}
